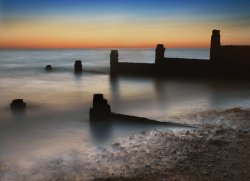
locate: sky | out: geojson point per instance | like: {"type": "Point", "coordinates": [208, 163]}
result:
{"type": "Point", "coordinates": [122, 23]}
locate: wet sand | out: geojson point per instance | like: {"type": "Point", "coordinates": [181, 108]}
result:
{"type": "Point", "coordinates": [220, 150]}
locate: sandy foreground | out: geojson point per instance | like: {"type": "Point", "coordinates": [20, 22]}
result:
{"type": "Point", "coordinates": [219, 150]}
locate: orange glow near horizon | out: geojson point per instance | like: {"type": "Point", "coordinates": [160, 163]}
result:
{"type": "Point", "coordinates": [108, 35]}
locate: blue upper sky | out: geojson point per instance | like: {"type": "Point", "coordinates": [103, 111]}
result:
{"type": "Point", "coordinates": [237, 11]}
{"type": "Point", "coordinates": [156, 18]}
{"type": "Point", "coordinates": [144, 7]}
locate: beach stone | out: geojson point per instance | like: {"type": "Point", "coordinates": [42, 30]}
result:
{"type": "Point", "coordinates": [217, 142]}
{"type": "Point", "coordinates": [48, 68]}
{"type": "Point", "coordinates": [101, 109]}
{"type": "Point", "coordinates": [78, 66]}
{"type": "Point", "coordinates": [18, 105]}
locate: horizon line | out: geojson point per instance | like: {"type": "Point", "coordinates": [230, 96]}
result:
{"type": "Point", "coordinates": [41, 48]}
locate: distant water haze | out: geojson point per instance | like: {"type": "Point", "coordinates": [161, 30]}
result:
{"type": "Point", "coordinates": [58, 102]}
{"type": "Point", "coordinates": [23, 76]}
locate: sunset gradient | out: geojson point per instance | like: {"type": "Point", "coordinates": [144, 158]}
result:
{"type": "Point", "coordinates": [127, 24]}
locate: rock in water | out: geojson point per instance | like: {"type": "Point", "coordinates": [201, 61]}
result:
{"type": "Point", "coordinates": [48, 68]}
{"type": "Point", "coordinates": [18, 105]}
{"type": "Point", "coordinates": [101, 109]}
{"type": "Point", "coordinates": [78, 66]}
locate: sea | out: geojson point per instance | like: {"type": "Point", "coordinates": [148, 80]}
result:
{"type": "Point", "coordinates": [57, 118]}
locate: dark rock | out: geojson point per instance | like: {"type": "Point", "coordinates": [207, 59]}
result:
{"type": "Point", "coordinates": [217, 142]}
{"type": "Point", "coordinates": [220, 131]}
{"type": "Point", "coordinates": [78, 66]}
{"type": "Point", "coordinates": [48, 68]}
{"type": "Point", "coordinates": [101, 109]}
{"type": "Point", "coordinates": [244, 131]}
{"type": "Point", "coordinates": [116, 145]}
{"type": "Point", "coordinates": [18, 105]}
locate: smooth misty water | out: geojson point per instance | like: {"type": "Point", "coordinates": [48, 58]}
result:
{"type": "Point", "coordinates": [58, 102]}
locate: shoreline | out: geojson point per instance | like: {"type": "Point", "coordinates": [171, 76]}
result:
{"type": "Point", "coordinates": [215, 152]}
{"type": "Point", "coordinates": [218, 151]}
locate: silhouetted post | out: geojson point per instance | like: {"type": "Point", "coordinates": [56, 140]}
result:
{"type": "Point", "coordinates": [215, 44]}
{"type": "Point", "coordinates": [114, 57]}
{"type": "Point", "coordinates": [159, 54]}
{"type": "Point", "coordinates": [18, 105]}
{"type": "Point", "coordinates": [78, 66]}
{"type": "Point", "coordinates": [101, 109]}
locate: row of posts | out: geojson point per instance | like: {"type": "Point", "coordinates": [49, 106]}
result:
{"type": "Point", "coordinates": [159, 55]}
{"type": "Point", "coordinates": [114, 59]}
